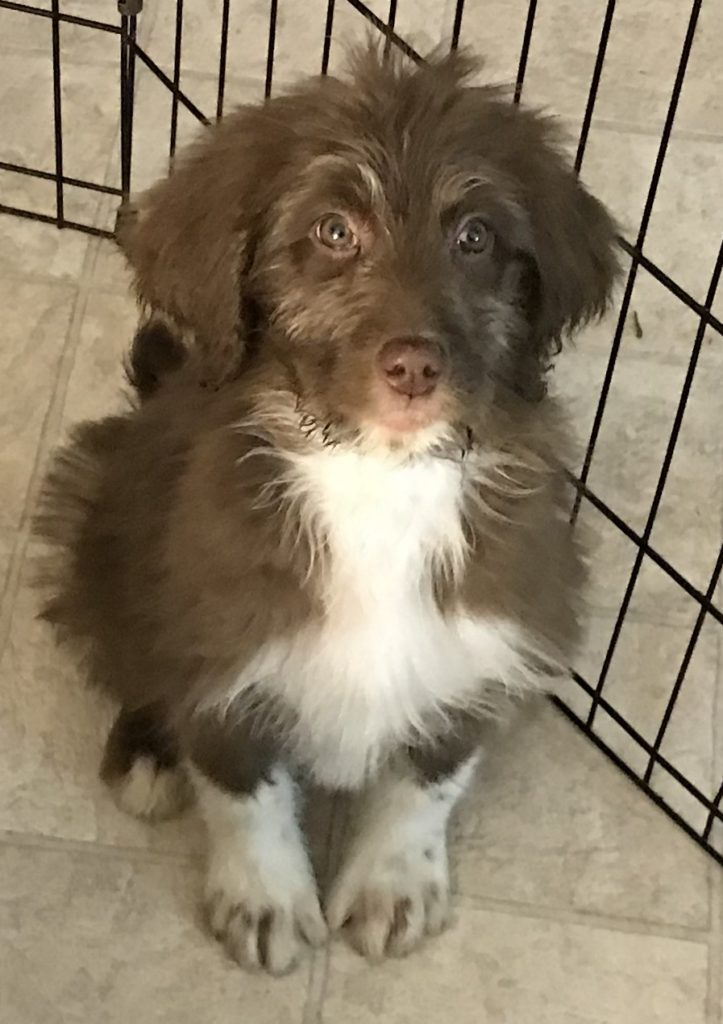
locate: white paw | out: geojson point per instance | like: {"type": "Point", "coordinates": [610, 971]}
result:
{"type": "Point", "coordinates": [388, 896]}
{"type": "Point", "coordinates": [261, 893]}
{"type": "Point", "coordinates": [263, 921]}
{"type": "Point", "coordinates": [151, 792]}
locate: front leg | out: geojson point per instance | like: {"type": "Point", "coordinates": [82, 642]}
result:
{"type": "Point", "coordinates": [393, 888]}
{"type": "Point", "coordinates": [261, 894]}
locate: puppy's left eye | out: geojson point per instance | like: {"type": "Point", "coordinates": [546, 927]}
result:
{"type": "Point", "coordinates": [473, 237]}
{"type": "Point", "coordinates": [335, 232]}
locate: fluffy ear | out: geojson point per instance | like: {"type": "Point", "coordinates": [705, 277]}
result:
{"type": "Point", "coordinates": [189, 238]}
{"type": "Point", "coordinates": [572, 237]}
{"type": "Point", "coordinates": [574, 251]}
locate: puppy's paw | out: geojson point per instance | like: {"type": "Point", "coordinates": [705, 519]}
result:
{"type": "Point", "coordinates": [261, 893]}
{"type": "Point", "coordinates": [151, 791]}
{"type": "Point", "coordinates": [264, 927]}
{"type": "Point", "coordinates": [389, 896]}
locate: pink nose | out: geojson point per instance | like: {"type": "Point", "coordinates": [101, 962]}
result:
{"type": "Point", "coordinates": [411, 366]}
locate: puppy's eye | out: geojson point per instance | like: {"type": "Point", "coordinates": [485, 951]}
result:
{"type": "Point", "coordinates": [473, 237]}
{"type": "Point", "coordinates": [335, 232]}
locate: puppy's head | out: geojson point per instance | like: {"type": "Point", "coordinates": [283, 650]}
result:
{"type": "Point", "coordinates": [410, 250]}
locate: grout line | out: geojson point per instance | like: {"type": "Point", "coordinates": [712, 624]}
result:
{"type": "Point", "coordinates": [611, 124]}
{"type": "Point", "coordinates": [671, 620]}
{"type": "Point", "coordinates": [47, 437]}
{"type": "Point", "coordinates": [568, 915]}
{"type": "Point", "coordinates": [335, 838]}
{"type": "Point", "coordinates": [316, 989]}
{"type": "Point", "coordinates": [93, 848]}
{"type": "Point", "coordinates": [715, 957]}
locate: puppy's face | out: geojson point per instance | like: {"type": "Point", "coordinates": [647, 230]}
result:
{"type": "Point", "coordinates": [412, 249]}
{"type": "Point", "coordinates": [399, 289]}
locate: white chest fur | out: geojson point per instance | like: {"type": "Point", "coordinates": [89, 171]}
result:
{"type": "Point", "coordinates": [384, 660]}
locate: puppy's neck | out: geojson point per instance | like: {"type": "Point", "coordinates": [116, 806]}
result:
{"type": "Point", "coordinates": [380, 517]}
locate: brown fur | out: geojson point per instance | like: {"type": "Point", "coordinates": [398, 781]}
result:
{"type": "Point", "coordinates": [180, 555]}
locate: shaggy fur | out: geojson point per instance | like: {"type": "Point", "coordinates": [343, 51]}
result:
{"type": "Point", "coordinates": [304, 566]}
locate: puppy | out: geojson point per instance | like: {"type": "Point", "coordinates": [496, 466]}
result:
{"type": "Point", "coordinates": [341, 562]}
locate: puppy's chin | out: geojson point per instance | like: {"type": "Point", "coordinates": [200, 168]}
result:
{"type": "Point", "coordinates": [401, 416]}
{"type": "Point", "coordinates": [400, 424]}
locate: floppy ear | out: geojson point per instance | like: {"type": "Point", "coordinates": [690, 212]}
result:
{"type": "Point", "coordinates": [574, 251]}
{"type": "Point", "coordinates": [189, 238]}
{"type": "Point", "coordinates": [572, 245]}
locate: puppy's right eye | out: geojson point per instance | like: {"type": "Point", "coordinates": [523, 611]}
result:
{"type": "Point", "coordinates": [335, 232]}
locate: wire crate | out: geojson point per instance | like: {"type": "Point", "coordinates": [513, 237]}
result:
{"type": "Point", "coordinates": [146, 49]}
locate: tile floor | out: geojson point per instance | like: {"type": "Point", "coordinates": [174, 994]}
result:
{"type": "Point", "coordinates": [578, 901]}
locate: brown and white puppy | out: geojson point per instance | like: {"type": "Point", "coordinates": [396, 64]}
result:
{"type": "Point", "coordinates": [340, 562]}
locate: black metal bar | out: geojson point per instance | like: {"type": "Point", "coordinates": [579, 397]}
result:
{"type": "Point", "coordinates": [660, 487]}
{"type": "Point", "coordinates": [715, 813]}
{"type": "Point", "coordinates": [391, 22]}
{"type": "Point", "coordinates": [701, 840]}
{"type": "Point", "coordinates": [377, 22]}
{"type": "Point", "coordinates": [328, 32]}
{"type": "Point", "coordinates": [690, 648]}
{"type": "Point", "coordinates": [525, 50]}
{"type": "Point", "coordinates": [57, 117]}
{"type": "Point", "coordinates": [594, 83]}
{"type": "Point", "coordinates": [127, 97]}
{"type": "Point", "coordinates": [647, 549]}
{"type": "Point", "coordinates": [163, 77]}
{"type": "Point", "coordinates": [49, 176]}
{"type": "Point", "coordinates": [177, 49]}
{"type": "Point", "coordinates": [457, 24]}
{"type": "Point", "coordinates": [660, 760]}
{"type": "Point", "coordinates": [642, 232]}
{"type": "Point", "coordinates": [46, 218]}
{"type": "Point", "coordinates": [655, 271]}
{"type": "Point", "coordinates": [223, 58]}
{"type": "Point", "coordinates": [69, 19]}
{"type": "Point", "coordinates": [273, 13]}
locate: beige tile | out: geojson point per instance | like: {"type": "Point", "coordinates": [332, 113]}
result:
{"type": "Point", "coordinates": [694, 732]}
{"type": "Point", "coordinates": [89, 938]}
{"type": "Point", "coordinates": [90, 119]}
{"type": "Point", "coordinates": [29, 32]}
{"type": "Point", "coordinates": [78, 43]}
{"type": "Point", "coordinates": [90, 115]}
{"type": "Point", "coordinates": [505, 969]}
{"type": "Point", "coordinates": [494, 29]}
{"type": "Point", "coordinates": [299, 38]}
{"type": "Point", "coordinates": [684, 231]}
{"type": "Point", "coordinates": [7, 545]}
{"type": "Point", "coordinates": [552, 823]}
{"type": "Point", "coordinates": [643, 51]}
{"type": "Point", "coordinates": [110, 272]}
{"type": "Point", "coordinates": [628, 459]}
{"type": "Point", "coordinates": [717, 929]}
{"type": "Point", "coordinates": [659, 327]}
{"type": "Point", "coordinates": [640, 680]}
{"type": "Point", "coordinates": [52, 730]}
{"type": "Point", "coordinates": [33, 250]}
{"type": "Point", "coordinates": [642, 55]}
{"type": "Point", "coordinates": [35, 322]}
{"type": "Point", "coordinates": [97, 386]}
